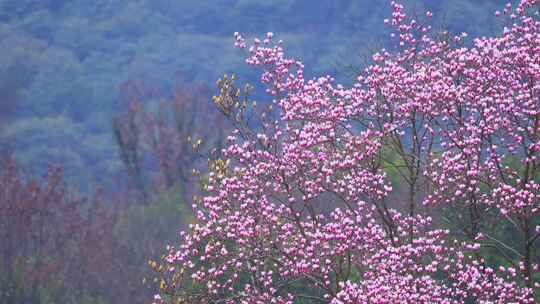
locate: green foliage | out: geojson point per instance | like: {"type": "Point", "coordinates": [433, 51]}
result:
{"type": "Point", "coordinates": [143, 230]}
{"type": "Point", "coordinates": [24, 284]}
{"type": "Point", "coordinates": [153, 222]}
{"type": "Point", "coordinates": [88, 299]}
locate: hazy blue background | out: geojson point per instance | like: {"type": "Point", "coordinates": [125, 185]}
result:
{"type": "Point", "coordinates": [62, 62]}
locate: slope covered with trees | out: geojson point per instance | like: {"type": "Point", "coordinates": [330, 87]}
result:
{"type": "Point", "coordinates": [64, 61]}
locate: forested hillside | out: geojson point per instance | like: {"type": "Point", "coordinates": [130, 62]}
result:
{"type": "Point", "coordinates": [63, 63]}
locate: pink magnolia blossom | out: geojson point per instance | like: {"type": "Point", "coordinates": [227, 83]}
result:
{"type": "Point", "coordinates": [307, 204]}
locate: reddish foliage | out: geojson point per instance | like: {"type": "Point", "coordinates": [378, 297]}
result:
{"type": "Point", "coordinates": [160, 148]}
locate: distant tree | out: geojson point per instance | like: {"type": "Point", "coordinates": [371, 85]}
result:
{"type": "Point", "coordinates": [128, 136]}
{"type": "Point", "coordinates": [38, 222]}
{"type": "Point", "coordinates": [161, 147]}
{"type": "Point", "coordinates": [55, 247]}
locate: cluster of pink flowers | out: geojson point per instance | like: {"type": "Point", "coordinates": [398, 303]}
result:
{"type": "Point", "coordinates": [304, 212]}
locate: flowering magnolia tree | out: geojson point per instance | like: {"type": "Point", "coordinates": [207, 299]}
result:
{"type": "Point", "coordinates": [418, 184]}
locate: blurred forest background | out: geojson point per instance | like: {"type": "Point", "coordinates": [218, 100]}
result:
{"type": "Point", "coordinates": [102, 102]}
